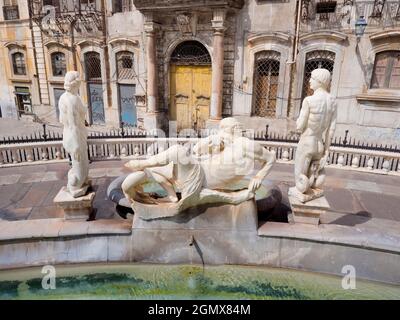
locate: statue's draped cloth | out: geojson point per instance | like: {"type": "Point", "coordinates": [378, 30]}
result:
{"type": "Point", "coordinates": [190, 190]}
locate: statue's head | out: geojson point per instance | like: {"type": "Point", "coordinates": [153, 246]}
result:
{"type": "Point", "coordinates": [320, 78]}
{"type": "Point", "coordinates": [71, 81]}
{"type": "Point", "coordinates": [230, 125]}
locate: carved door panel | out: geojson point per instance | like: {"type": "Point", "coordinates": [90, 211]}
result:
{"type": "Point", "coordinates": [201, 92]}
{"type": "Point", "coordinates": [180, 98]}
{"type": "Point", "coordinates": [190, 96]}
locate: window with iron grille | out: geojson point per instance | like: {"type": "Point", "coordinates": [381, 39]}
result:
{"type": "Point", "coordinates": [58, 64]}
{"type": "Point", "coordinates": [125, 68]}
{"type": "Point", "coordinates": [316, 59]}
{"type": "Point", "coordinates": [10, 10]}
{"type": "Point", "coordinates": [386, 70]}
{"type": "Point", "coordinates": [93, 67]}
{"type": "Point", "coordinates": [190, 53]}
{"type": "Point", "coordinates": [54, 3]}
{"type": "Point", "coordinates": [18, 60]}
{"type": "Point", "coordinates": [121, 6]}
{"type": "Point", "coordinates": [265, 83]}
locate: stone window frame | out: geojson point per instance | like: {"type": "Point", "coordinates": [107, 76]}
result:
{"type": "Point", "coordinates": [55, 82]}
{"type": "Point", "coordinates": [380, 94]}
{"type": "Point", "coordinates": [13, 4]}
{"type": "Point", "coordinates": [119, 45]}
{"type": "Point", "coordinates": [329, 41]}
{"type": "Point", "coordinates": [84, 47]}
{"type": "Point", "coordinates": [115, 46]}
{"type": "Point", "coordinates": [269, 42]}
{"type": "Point", "coordinates": [53, 67]}
{"type": "Point", "coordinates": [17, 48]}
{"type": "Point", "coordinates": [167, 59]}
{"type": "Point", "coordinates": [268, 59]}
{"type": "Point", "coordinates": [53, 47]}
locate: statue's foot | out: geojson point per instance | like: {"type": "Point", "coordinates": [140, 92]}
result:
{"type": "Point", "coordinates": [135, 165]}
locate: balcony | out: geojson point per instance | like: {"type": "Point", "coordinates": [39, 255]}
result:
{"type": "Point", "coordinates": [335, 15]}
{"type": "Point", "coordinates": [84, 16]}
{"type": "Point", "coordinates": [154, 5]}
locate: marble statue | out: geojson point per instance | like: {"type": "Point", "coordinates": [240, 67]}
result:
{"type": "Point", "coordinates": [207, 173]}
{"type": "Point", "coordinates": [317, 122]}
{"type": "Point", "coordinates": [72, 116]}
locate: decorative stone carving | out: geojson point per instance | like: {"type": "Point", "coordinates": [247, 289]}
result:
{"type": "Point", "coordinates": [317, 122]}
{"type": "Point", "coordinates": [210, 174]}
{"type": "Point", "coordinates": [72, 116]}
{"type": "Point", "coordinates": [183, 21]}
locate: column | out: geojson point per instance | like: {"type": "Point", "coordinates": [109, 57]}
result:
{"type": "Point", "coordinates": [218, 64]}
{"type": "Point", "coordinates": [151, 61]}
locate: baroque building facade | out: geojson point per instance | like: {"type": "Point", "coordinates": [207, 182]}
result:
{"type": "Point", "coordinates": [182, 64]}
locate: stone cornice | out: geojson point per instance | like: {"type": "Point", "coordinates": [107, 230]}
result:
{"type": "Point", "coordinates": [171, 5]}
{"type": "Point", "coordinates": [267, 37]}
{"type": "Point", "coordinates": [373, 95]}
{"type": "Point", "coordinates": [324, 35]}
{"type": "Point", "coordinates": [384, 34]}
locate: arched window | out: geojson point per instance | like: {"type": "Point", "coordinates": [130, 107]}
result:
{"type": "Point", "coordinates": [93, 67]}
{"type": "Point", "coordinates": [314, 60]}
{"type": "Point", "coordinates": [386, 70]}
{"type": "Point", "coordinates": [125, 69]}
{"type": "Point", "coordinates": [18, 60]}
{"type": "Point", "coordinates": [58, 64]}
{"type": "Point", "coordinates": [265, 83]}
{"type": "Point", "coordinates": [190, 53]}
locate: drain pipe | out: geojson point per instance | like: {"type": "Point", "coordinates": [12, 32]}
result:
{"type": "Point", "coordinates": [193, 243]}
{"type": "Point", "coordinates": [294, 53]}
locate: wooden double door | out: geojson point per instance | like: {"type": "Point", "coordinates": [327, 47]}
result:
{"type": "Point", "coordinates": [190, 95]}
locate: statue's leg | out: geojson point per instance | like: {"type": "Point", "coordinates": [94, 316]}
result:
{"type": "Point", "coordinates": [166, 185]}
{"type": "Point", "coordinates": [320, 179]}
{"type": "Point", "coordinates": [301, 167]}
{"type": "Point", "coordinates": [131, 183]}
{"type": "Point", "coordinates": [214, 196]}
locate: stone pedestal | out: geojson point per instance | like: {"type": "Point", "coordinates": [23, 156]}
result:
{"type": "Point", "coordinates": [241, 217]}
{"type": "Point", "coordinates": [308, 212]}
{"type": "Point", "coordinates": [311, 194]}
{"type": "Point", "coordinates": [74, 208]}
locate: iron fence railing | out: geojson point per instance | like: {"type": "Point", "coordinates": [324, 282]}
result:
{"type": "Point", "coordinates": [348, 158]}
{"type": "Point", "coordinates": [130, 132]}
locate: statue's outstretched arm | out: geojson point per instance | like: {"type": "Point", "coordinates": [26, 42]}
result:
{"type": "Point", "coordinates": [268, 158]}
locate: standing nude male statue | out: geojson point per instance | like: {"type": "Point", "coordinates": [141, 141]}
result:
{"type": "Point", "coordinates": [72, 116]}
{"type": "Point", "coordinates": [317, 122]}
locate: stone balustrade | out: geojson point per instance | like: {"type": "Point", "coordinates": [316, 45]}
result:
{"type": "Point", "coordinates": [383, 162]}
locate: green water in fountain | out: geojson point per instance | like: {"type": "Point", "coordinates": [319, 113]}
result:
{"type": "Point", "coordinates": [133, 281]}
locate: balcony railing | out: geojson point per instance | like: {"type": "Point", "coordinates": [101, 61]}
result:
{"type": "Point", "coordinates": [378, 13]}
{"type": "Point", "coordinates": [58, 18]}
{"type": "Point", "coordinates": [348, 158]}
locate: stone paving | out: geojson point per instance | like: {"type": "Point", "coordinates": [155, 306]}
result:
{"type": "Point", "coordinates": [13, 127]}
{"type": "Point", "coordinates": [27, 192]}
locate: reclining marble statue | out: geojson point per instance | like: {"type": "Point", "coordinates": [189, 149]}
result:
{"type": "Point", "coordinates": [316, 122]}
{"type": "Point", "coordinates": [206, 174]}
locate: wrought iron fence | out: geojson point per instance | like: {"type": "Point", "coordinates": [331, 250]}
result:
{"type": "Point", "coordinates": [131, 132]}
